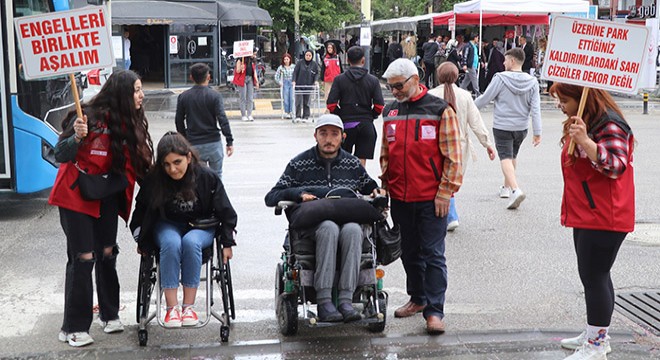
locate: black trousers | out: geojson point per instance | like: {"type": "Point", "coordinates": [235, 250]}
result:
{"type": "Point", "coordinates": [86, 234]}
{"type": "Point", "coordinates": [596, 251]}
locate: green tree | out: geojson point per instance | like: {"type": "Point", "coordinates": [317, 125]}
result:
{"type": "Point", "coordinates": [315, 16]}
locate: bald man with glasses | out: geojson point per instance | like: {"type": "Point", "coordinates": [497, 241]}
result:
{"type": "Point", "coordinates": [421, 168]}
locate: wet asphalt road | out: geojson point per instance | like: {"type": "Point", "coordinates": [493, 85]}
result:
{"type": "Point", "coordinates": [513, 285]}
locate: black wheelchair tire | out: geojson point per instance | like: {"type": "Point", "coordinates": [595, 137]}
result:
{"type": "Point", "coordinates": [145, 287]}
{"type": "Point", "coordinates": [143, 337]}
{"type": "Point", "coordinates": [382, 306]}
{"type": "Point", "coordinates": [287, 314]}
{"type": "Point", "coordinates": [279, 281]}
{"type": "Point", "coordinates": [225, 293]}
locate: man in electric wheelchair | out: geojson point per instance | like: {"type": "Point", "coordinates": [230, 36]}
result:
{"type": "Point", "coordinates": [323, 171]}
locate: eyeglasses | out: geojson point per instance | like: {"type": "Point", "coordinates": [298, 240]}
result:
{"type": "Point", "coordinates": [399, 86]}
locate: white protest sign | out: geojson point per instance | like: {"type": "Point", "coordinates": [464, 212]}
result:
{"type": "Point", "coordinates": [174, 44]}
{"type": "Point", "coordinates": [365, 36]}
{"type": "Point", "coordinates": [65, 42]}
{"type": "Point", "coordinates": [597, 54]}
{"type": "Point", "coordinates": [243, 48]}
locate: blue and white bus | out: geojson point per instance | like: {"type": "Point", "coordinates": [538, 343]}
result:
{"type": "Point", "coordinates": [31, 111]}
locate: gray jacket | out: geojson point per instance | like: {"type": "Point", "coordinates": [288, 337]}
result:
{"type": "Point", "coordinates": [516, 96]}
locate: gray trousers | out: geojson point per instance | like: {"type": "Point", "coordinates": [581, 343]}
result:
{"type": "Point", "coordinates": [246, 94]}
{"type": "Point", "coordinates": [330, 236]}
{"type": "Point", "coordinates": [471, 77]}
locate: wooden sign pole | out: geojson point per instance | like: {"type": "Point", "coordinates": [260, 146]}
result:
{"type": "Point", "coordinates": [583, 101]}
{"type": "Point", "coordinates": [76, 97]}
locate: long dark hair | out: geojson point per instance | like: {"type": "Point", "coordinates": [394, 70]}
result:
{"type": "Point", "coordinates": [448, 74]}
{"type": "Point", "coordinates": [164, 187]}
{"type": "Point", "coordinates": [114, 105]}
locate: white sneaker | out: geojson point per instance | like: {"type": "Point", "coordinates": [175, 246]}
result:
{"type": "Point", "coordinates": [297, 120]}
{"type": "Point", "coordinates": [575, 342]}
{"type": "Point", "coordinates": [588, 352]}
{"type": "Point", "coordinates": [113, 326]}
{"type": "Point", "coordinates": [517, 196]}
{"type": "Point", "coordinates": [505, 192]}
{"type": "Point", "coordinates": [287, 116]}
{"type": "Point", "coordinates": [250, 118]}
{"type": "Point", "coordinates": [244, 118]}
{"type": "Point", "coordinates": [452, 225]}
{"type": "Point", "coordinates": [189, 317]}
{"type": "Point", "coordinates": [173, 318]}
{"type": "Point", "coordinates": [75, 339]}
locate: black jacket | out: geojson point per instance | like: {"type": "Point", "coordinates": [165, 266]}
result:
{"type": "Point", "coordinates": [468, 55]}
{"type": "Point", "coordinates": [309, 173]}
{"type": "Point", "coordinates": [529, 57]}
{"type": "Point", "coordinates": [213, 201]}
{"type": "Point", "coordinates": [355, 95]}
{"type": "Point", "coordinates": [394, 51]}
{"type": "Point", "coordinates": [305, 74]}
{"type": "Point", "coordinates": [199, 111]}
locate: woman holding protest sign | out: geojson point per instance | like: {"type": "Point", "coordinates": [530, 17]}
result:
{"type": "Point", "coordinates": [245, 78]}
{"type": "Point", "coordinates": [598, 202]}
{"type": "Point", "coordinates": [101, 155]}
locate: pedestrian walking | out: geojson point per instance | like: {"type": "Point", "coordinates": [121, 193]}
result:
{"type": "Point", "coordinates": [247, 81]}
{"type": "Point", "coordinates": [468, 118]}
{"type": "Point", "coordinates": [284, 78]}
{"type": "Point", "coordinates": [430, 48]}
{"type": "Point", "coordinates": [177, 195]}
{"type": "Point", "coordinates": [470, 63]}
{"type": "Point", "coordinates": [516, 96]}
{"type": "Point", "coordinates": [199, 111]}
{"type": "Point", "coordinates": [598, 202]}
{"type": "Point", "coordinates": [421, 168]}
{"type": "Point", "coordinates": [111, 139]}
{"type": "Point", "coordinates": [495, 60]}
{"type": "Point", "coordinates": [528, 49]}
{"type": "Point", "coordinates": [305, 75]}
{"type": "Point", "coordinates": [330, 67]}
{"type": "Point", "coordinates": [358, 100]}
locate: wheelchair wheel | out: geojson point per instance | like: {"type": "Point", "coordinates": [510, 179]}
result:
{"type": "Point", "coordinates": [279, 281]}
{"type": "Point", "coordinates": [143, 337]}
{"type": "Point", "coordinates": [382, 306]}
{"type": "Point", "coordinates": [227, 293]}
{"type": "Point", "coordinates": [287, 314]}
{"type": "Point", "coordinates": [146, 281]}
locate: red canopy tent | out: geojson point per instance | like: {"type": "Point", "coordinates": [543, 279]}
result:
{"type": "Point", "coordinates": [491, 19]}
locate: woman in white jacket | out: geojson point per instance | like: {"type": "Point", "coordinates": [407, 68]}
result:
{"type": "Point", "coordinates": [468, 117]}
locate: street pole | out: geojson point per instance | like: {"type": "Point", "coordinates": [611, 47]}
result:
{"type": "Point", "coordinates": [365, 7]}
{"type": "Point", "coordinates": [296, 28]}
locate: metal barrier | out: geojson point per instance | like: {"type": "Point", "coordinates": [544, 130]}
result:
{"type": "Point", "coordinates": [315, 99]}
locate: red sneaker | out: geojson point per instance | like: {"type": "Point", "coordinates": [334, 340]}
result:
{"type": "Point", "coordinates": [173, 318]}
{"type": "Point", "coordinates": [189, 317]}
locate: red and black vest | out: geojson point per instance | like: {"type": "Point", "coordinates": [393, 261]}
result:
{"type": "Point", "coordinates": [411, 130]}
{"type": "Point", "coordinates": [594, 201]}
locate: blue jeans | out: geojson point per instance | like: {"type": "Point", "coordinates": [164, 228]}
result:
{"type": "Point", "coordinates": [287, 96]}
{"type": "Point", "coordinates": [423, 253]}
{"type": "Point", "coordinates": [453, 214]}
{"type": "Point", "coordinates": [212, 154]}
{"type": "Point", "coordinates": [181, 253]}
{"type": "Point", "coordinates": [127, 64]}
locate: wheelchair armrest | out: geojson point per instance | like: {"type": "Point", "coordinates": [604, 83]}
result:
{"type": "Point", "coordinates": [282, 205]}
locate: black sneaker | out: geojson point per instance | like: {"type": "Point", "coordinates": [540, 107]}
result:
{"type": "Point", "coordinates": [349, 313]}
{"type": "Point", "coordinates": [328, 313]}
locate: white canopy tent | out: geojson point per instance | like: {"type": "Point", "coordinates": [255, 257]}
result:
{"type": "Point", "coordinates": [522, 6]}
{"type": "Point", "coordinates": [519, 7]}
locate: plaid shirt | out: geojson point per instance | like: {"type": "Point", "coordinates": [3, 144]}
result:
{"type": "Point", "coordinates": [612, 153]}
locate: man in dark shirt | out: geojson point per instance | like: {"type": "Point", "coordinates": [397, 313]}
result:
{"type": "Point", "coordinates": [199, 111]}
{"type": "Point", "coordinates": [430, 48]}
{"type": "Point", "coordinates": [528, 49]}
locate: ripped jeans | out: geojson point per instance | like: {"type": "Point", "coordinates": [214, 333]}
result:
{"type": "Point", "coordinates": [86, 234]}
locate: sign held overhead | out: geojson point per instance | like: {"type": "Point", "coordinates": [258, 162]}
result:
{"type": "Point", "coordinates": [596, 54]}
{"type": "Point", "coordinates": [65, 42]}
{"type": "Point", "coordinates": [243, 48]}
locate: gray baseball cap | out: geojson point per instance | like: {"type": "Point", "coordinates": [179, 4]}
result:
{"type": "Point", "coordinates": [329, 119]}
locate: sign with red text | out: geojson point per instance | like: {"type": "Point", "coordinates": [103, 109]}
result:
{"type": "Point", "coordinates": [597, 54]}
{"type": "Point", "coordinates": [65, 42]}
{"type": "Point", "coordinates": [243, 48]}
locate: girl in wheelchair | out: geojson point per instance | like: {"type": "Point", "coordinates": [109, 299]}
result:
{"type": "Point", "coordinates": [180, 209]}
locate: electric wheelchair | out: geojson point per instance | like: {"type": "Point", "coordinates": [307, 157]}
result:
{"type": "Point", "coordinates": [294, 278]}
{"type": "Point", "coordinates": [214, 270]}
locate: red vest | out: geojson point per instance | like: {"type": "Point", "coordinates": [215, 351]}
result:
{"type": "Point", "coordinates": [95, 156]}
{"type": "Point", "coordinates": [594, 201]}
{"type": "Point", "coordinates": [239, 77]}
{"type": "Point", "coordinates": [411, 130]}
{"type": "Point", "coordinates": [332, 68]}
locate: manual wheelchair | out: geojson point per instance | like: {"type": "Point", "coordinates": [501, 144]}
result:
{"type": "Point", "coordinates": [214, 269]}
{"type": "Point", "coordinates": [294, 279]}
